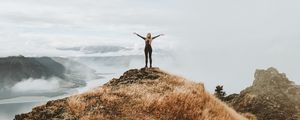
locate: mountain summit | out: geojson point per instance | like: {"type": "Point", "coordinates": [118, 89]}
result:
{"type": "Point", "coordinates": [138, 94]}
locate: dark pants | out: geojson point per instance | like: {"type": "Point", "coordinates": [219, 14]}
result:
{"type": "Point", "coordinates": [148, 52]}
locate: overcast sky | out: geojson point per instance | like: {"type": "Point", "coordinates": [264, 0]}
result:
{"type": "Point", "coordinates": [215, 41]}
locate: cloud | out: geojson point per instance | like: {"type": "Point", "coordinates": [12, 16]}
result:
{"type": "Point", "coordinates": [51, 24]}
{"type": "Point", "coordinates": [216, 42]}
{"type": "Point", "coordinates": [223, 42]}
{"type": "Point", "coordinates": [37, 85]}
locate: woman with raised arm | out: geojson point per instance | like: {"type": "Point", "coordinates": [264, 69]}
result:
{"type": "Point", "coordinates": [148, 49]}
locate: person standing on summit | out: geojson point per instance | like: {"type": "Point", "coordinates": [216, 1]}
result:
{"type": "Point", "coordinates": [148, 49]}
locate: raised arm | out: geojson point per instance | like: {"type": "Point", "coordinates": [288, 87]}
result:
{"type": "Point", "coordinates": [140, 36]}
{"type": "Point", "coordinates": [157, 36]}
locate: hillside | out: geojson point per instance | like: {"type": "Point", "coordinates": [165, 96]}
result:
{"type": "Point", "coordinates": [17, 68]}
{"type": "Point", "coordinates": [272, 96]}
{"type": "Point", "coordinates": [138, 94]}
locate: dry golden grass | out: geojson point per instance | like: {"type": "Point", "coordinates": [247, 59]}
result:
{"type": "Point", "coordinates": [167, 98]}
{"type": "Point", "coordinates": [249, 116]}
{"type": "Point", "coordinates": [76, 104]}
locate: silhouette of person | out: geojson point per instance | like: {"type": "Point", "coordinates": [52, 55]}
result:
{"type": "Point", "coordinates": [148, 49]}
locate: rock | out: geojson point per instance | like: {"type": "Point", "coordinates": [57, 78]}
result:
{"type": "Point", "coordinates": [135, 75]}
{"type": "Point", "coordinates": [272, 96]}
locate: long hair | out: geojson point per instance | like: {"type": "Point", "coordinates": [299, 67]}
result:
{"type": "Point", "coordinates": [148, 36]}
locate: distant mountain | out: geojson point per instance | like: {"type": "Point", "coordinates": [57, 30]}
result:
{"type": "Point", "coordinates": [95, 49]}
{"type": "Point", "coordinates": [17, 68]}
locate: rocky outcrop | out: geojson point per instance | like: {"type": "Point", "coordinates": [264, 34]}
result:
{"type": "Point", "coordinates": [135, 75]}
{"type": "Point", "coordinates": [272, 96]}
{"type": "Point", "coordinates": [138, 94]}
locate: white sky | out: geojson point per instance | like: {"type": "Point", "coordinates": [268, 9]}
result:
{"type": "Point", "coordinates": [216, 41]}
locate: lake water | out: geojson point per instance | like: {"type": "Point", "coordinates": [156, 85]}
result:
{"type": "Point", "coordinates": [10, 107]}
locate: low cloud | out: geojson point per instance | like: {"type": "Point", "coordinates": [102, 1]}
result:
{"type": "Point", "coordinates": [37, 85]}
